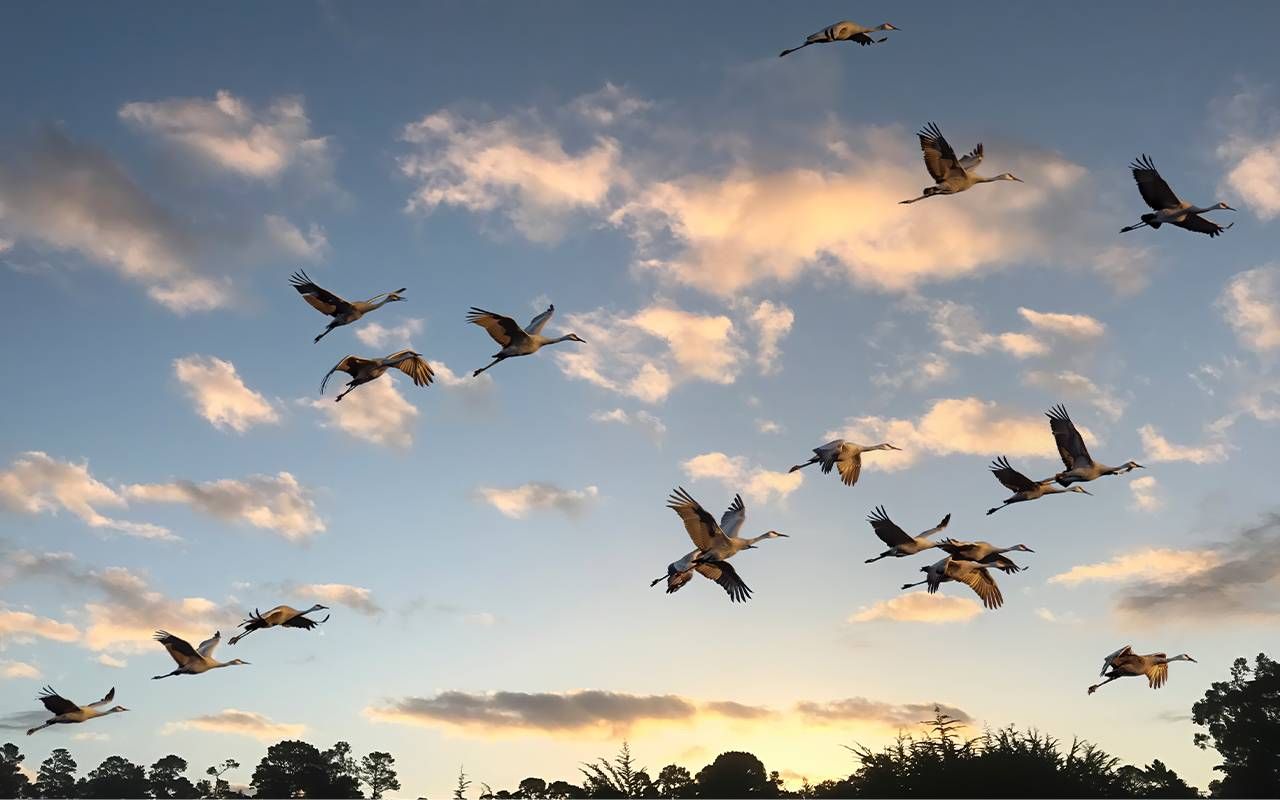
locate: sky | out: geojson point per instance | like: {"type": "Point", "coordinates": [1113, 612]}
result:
{"type": "Point", "coordinates": [721, 227]}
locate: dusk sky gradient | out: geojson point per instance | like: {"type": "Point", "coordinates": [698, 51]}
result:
{"type": "Point", "coordinates": [721, 226]}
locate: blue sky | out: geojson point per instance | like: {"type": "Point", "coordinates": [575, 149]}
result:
{"type": "Point", "coordinates": [721, 226]}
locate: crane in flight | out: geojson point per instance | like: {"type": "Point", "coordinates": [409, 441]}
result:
{"type": "Point", "coordinates": [1124, 663]}
{"type": "Point", "coordinates": [193, 660]}
{"type": "Point", "coordinates": [951, 175]}
{"type": "Point", "coordinates": [514, 340]}
{"type": "Point", "coordinates": [900, 544]}
{"type": "Point", "coordinates": [716, 541]}
{"type": "Point", "coordinates": [1080, 466]}
{"type": "Point", "coordinates": [970, 573]}
{"type": "Point", "coordinates": [286, 616]}
{"type": "Point", "coordinates": [329, 304]}
{"type": "Point", "coordinates": [1168, 207]}
{"type": "Point", "coordinates": [363, 370]}
{"type": "Point", "coordinates": [844, 31]}
{"type": "Point", "coordinates": [1023, 488]}
{"type": "Point", "coordinates": [66, 712]}
{"type": "Point", "coordinates": [681, 572]}
{"type": "Point", "coordinates": [846, 457]}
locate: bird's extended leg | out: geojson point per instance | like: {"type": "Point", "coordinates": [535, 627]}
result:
{"type": "Point", "coordinates": [38, 728]}
{"type": "Point", "coordinates": [240, 636]}
{"type": "Point", "coordinates": [486, 366]}
{"type": "Point", "coordinates": [913, 200]}
{"type": "Point", "coordinates": [1134, 227]}
{"type": "Point", "coordinates": [813, 460]}
{"type": "Point", "coordinates": [877, 558]}
{"type": "Point", "coordinates": [325, 332]}
{"type": "Point", "coordinates": [793, 49]}
{"type": "Point", "coordinates": [917, 583]}
{"type": "Point", "coordinates": [350, 388]}
{"type": "Point", "coordinates": [1098, 686]}
{"type": "Point", "coordinates": [997, 508]}
{"type": "Point", "coordinates": [167, 674]}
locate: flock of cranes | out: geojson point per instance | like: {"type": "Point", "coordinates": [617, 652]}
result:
{"type": "Point", "coordinates": [967, 562]}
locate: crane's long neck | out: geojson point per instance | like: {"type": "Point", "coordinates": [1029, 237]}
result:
{"type": "Point", "coordinates": [375, 303]}
{"type": "Point", "coordinates": [558, 340]}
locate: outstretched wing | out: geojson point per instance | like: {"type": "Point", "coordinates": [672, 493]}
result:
{"type": "Point", "coordinates": [1070, 442]}
{"type": "Point", "coordinates": [1012, 480]}
{"type": "Point", "coordinates": [1111, 659]}
{"type": "Point", "coordinates": [303, 622]}
{"type": "Point", "coordinates": [939, 158]}
{"type": "Point", "coordinates": [731, 522]}
{"type": "Point", "coordinates": [1151, 186]}
{"type": "Point", "coordinates": [502, 330]}
{"type": "Point", "coordinates": [886, 529]}
{"type": "Point", "coordinates": [206, 647]}
{"type": "Point", "coordinates": [413, 365]}
{"type": "Point", "coordinates": [850, 466]}
{"type": "Point", "coordinates": [180, 650]}
{"type": "Point", "coordinates": [1157, 674]}
{"type": "Point", "coordinates": [939, 527]}
{"type": "Point", "coordinates": [973, 159]}
{"type": "Point", "coordinates": [539, 322]}
{"type": "Point", "coordinates": [350, 365]}
{"type": "Point", "coordinates": [111, 695]}
{"type": "Point", "coordinates": [981, 582]}
{"type": "Point", "coordinates": [1198, 224]}
{"type": "Point", "coordinates": [724, 574]}
{"type": "Point", "coordinates": [322, 300]}
{"type": "Point", "coordinates": [702, 527]}
{"type": "Point", "coordinates": [56, 703]}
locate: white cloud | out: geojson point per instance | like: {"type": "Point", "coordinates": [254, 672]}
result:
{"type": "Point", "coordinates": [240, 723]}
{"type": "Point", "coordinates": [310, 245]}
{"type": "Point", "coordinates": [1074, 385]}
{"type": "Point", "coordinates": [1070, 618]}
{"type": "Point", "coordinates": [1251, 151]}
{"type": "Point", "coordinates": [517, 501]}
{"type": "Point", "coordinates": [608, 105]}
{"type": "Point", "coordinates": [18, 670]}
{"type": "Point", "coordinates": [965, 425]}
{"type": "Point", "coordinates": [376, 412]}
{"type": "Point", "coordinates": [37, 483]}
{"type": "Point", "coordinates": [641, 419]}
{"type": "Point", "coordinates": [75, 198]}
{"type": "Point", "coordinates": [771, 322]}
{"type": "Point", "coordinates": [1153, 565]}
{"type": "Point", "coordinates": [935, 609]}
{"type": "Point", "coordinates": [220, 395]}
{"type": "Point", "coordinates": [1250, 304]}
{"type": "Point", "coordinates": [917, 372]}
{"type": "Point", "coordinates": [226, 132]}
{"type": "Point", "coordinates": [738, 475]}
{"type": "Point", "coordinates": [1158, 449]}
{"type": "Point", "coordinates": [768, 426]}
{"type": "Point", "coordinates": [1146, 495]}
{"type": "Point", "coordinates": [357, 598]}
{"type": "Point", "coordinates": [277, 503]}
{"type": "Point", "coordinates": [375, 334]}
{"type": "Point", "coordinates": [25, 625]}
{"type": "Point", "coordinates": [1074, 326]}
{"type": "Point", "coordinates": [1126, 269]}
{"type": "Point", "coordinates": [111, 661]}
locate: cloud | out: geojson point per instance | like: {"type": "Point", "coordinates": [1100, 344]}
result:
{"type": "Point", "coordinates": [219, 394]}
{"type": "Point", "coordinates": [959, 330]}
{"type": "Point", "coordinates": [934, 609]}
{"type": "Point", "coordinates": [107, 660]}
{"type": "Point", "coordinates": [376, 412]}
{"type": "Point", "coordinates": [513, 166]}
{"type": "Point", "coordinates": [646, 354]}
{"type": "Point", "coordinates": [124, 611]}
{"type": "Point", "coordinates": [229, 134]}
{"type": "Point", "coordinates": [640, 419]}
{"type": "Point", "coordinates": [37, 483]}
{"type": "Point", "coordinates": [1250, 304]}
{"type": "Point", "coordinates": [1250, 150]}
{"type": "Point", "coordinates": [1073, 326]}
{"type": "Point", "coordinates": [70, 197]}
{"type": "Point", "coordinates": [240, 723]}
{"type": "Point", "coordinates": [1158, 449]}
{"type": "Point", "coordinates": [310, 245]}
{"type": "Point", "coordinates": [357, 598]}
{"type": "Point", "coordinates": [24, 625]}
{"type": "Point", "coordinates": [1126, 269]}
{"type": "Point", "coordinates": [737, 475]}
{"type": "Point", "coordinates": [768, 426]}
{"type": "Point", "coordinates": [771, 322]}
{"type": "Point", "coordinates": [916, 372]}
{"type": "Point", "coordinates": [1066, 383]}
{"type": "Point", "coordinates": [277, 503]}
{"type": "Point", "coordinates": [965, 425]}
{"type": "Point", "coordinates": [1054, 618]}
{"type": "Point", "coordinates": [838, 712]}
{"type": "Point", "coordinates": [1146, 495]}
{"type": "Point", "coordinates": [517, 501]}
{"type": "Point", "coordinates": [608, 105]}
{"type": "Point", "coordinates": [375, 334]}
{"type": "Point", "coordinates": [1157, 565]}
{"type": "Point", "coordinates": [1237, 582]}
{"type": "Point", "coordinates": [18, 670]}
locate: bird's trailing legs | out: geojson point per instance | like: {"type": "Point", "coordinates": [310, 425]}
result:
{"type": "Point", "coordinates": [476, 374]}
{"type": "Point", "coordinates": [913, 200]}
{"type": "Point", "coordinates": [350, 387]}
{"type": "Point", "coordinates": [813, 460]}
{"type": "Point", "coordinates": [1098, 686]}
{"type": "Point", "coordinates": [324, 332]}
{"type": "Point", "coordinates": [917, 583]}
{"type": "Point", "coordinates": [38, 728]}
{"type": "Point", "coordinates": [1135, 226]}
{"type": "Point", "coordinates": [166, 675]}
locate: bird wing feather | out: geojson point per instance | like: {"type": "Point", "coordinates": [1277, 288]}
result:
{"type": "Point", "coordinates": [734, 516]}
{"type": "Point", "coordinates": [1153, 188]}
{"type": "Point", "coordinates": [503, 330]}
{"type": "Point", "coordinates": [415, 366]}
{"type": "Point", "coordinates": [939, 527]}
{"type": "Point", "coordinates": [111, 695]}
{"type": "Point", "coordinates": [1012, 480]}
{"type": "Point", "coordinates": [539, 322]}
{"type": "Point", "coordinates": [973, 159]}
{"type": "Point", "coordinates": [724, 574]}
{"type": "Point", "coordinates": [303, 622]}
{"type": "Point", "coordinates": [980, 581]}
{"type": "Point", "coordinates": [1111, 659]}
{"type": "Point", "coordinates": [850, 467]}
{"type": "Point", "coordinates": [887, 529]}
{"type": "Point", "coordinates": [350, 365]}
{"type": "Point", "coordinates": [1157, 674]}
{"type": "Point", "coordinates": [701, 526]}
{"type": "Point", "coordinates": [1199, 224]}
{"type": "Point", "coordinates": [939, 159]}
{"type": "Point", "coordinates": [180, 650]}
{"type": "Point", "coordinates": [56, 703]}
{"type": "Point", "coordinates": [322, 300]}
{"type": "Point", "coordinates": [1070, 443]}
{"type": "Point", "coordinates": [207, 647]}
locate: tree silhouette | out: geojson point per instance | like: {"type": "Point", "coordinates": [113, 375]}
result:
{"type": "Point", "coordinates": [674, 781]}
{"type": "Point", "coordinates": [219, 788]}
{"type": "Point", "coordinates": [57, 775]}
{"type": "Point", "coordinates": [378, 772]}
{"type": "Point", "coordinates": [116, 776]}
{"type": "Point", "coordinates": [1156, 780]}
{"type": "Point", "coordinates": [735, 774]}
{"type": "Point", "coordinates": [291, 768]}
{"type": "Point", "coordinates": [166, 779]}
{"type": "Point", "coordinates": [1243, 718]}
{"type": "Point", "coordinates": [618, 778]}
{"type": "Point", "coordinates": [531, 788]}
{"type": "Point", "coordinates": [563, 790]}
{"type": "Point", "coordinates": [12, 782]}
{"type": "Point", "coordinates": [460, 791]}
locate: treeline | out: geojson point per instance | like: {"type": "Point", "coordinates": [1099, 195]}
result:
{"type": "Point", "coordinates": [1240, 717]}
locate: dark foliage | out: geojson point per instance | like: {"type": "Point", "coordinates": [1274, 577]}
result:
{"type": "Point", "coordinates": [1243, 718]}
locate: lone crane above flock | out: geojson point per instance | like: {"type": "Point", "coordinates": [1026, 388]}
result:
{"type": "Point", "coordinates": [363, 370]}
{"type": "Point", "coordinates": [1168, 208]}
{"type": "Point", "coordinates": [1124, 663]}
{"type": "Point", "coordinates": [843, 31]}
{"type": "Point", "coordinates": [844, 456]}
{"type": "Point", "coordinates": [66, 712]}
{"type": "Point", "coordinates": [516, 341]}
{"type": "Point", "coordinates": [286, 616]}
{"type": "Point", "coordinates": [342, 311]}
{"type": "Point", "coordinates": [950, 175]}
{"type": "Point", "coordinates": [193, 660]}
{"type": "Point", "coordinates": [900, 544]}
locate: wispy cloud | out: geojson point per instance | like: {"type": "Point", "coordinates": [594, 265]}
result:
{"type": "Point", "coordinates": [518, 501]}
{"type": "Point", "coordinates": [277, 503]}
{"type": "Point", "coordinates": [1158, 449]}
{"type": "Point", "coordinates": [1156, 565]}
{"type": "Point", "coordinates": [1250, 303]}
{"type": "Point", "coordinates": [377, 412]}
{"type": "Point", "coordinates": [357, 598]}
{"type": "Point", "coordinates": [934, 609]}
{"type": "Point", "coordinates": [640, 418]}
{"type": "Point", "coordinates": [240, 723]}
{"type": "Point", "coordinates": [220, 395]}
{"type": "Point", "coordinates": [25, 625]}
{"type": "Point", "coordinates": [18, 670]}
{"type": "Point", "coordinates": [737, 474]}
{"type": "Point", "coordinates": [1146, 494]}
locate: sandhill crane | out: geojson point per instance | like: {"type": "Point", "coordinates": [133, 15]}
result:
{"type": "Point", "coordinates": [1023, 488]}
{"type": "Point", "coordinates": [970, 573]}
{"type": "Point", "coordinates": [681, 572]}
{"type": "Point", "coordinates": [900, 544]}
{"type": "Point", "coordinates": [1125, 663]}
{"type": "Point", "coordinates": [280, 615]}
{"type": "Point", "coordinates": [984, 553]}
{"type": "Point", "coordinates": [66, 712]}
{"type": "Point", "coordinates": [951, 175]}
{"type": "Point", "coordinates": [193, 660]}
{"type": "Point", "coordinates": [342, 311]}
{"type": "Point", "coordinates": [845, 456]}
{"type": "Point", "coordinates": [516, 341]}
{"type": "Point", "coordinates": [363, 370]}
{"type": "Point", "coordinates": [843, 31]}
{"type": "Point", "coordinates": [716, 542]}
{"type": "Point", "coordinates": [1169, 210]}
{"type": "Point", "coordinates": [1075, 456]}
